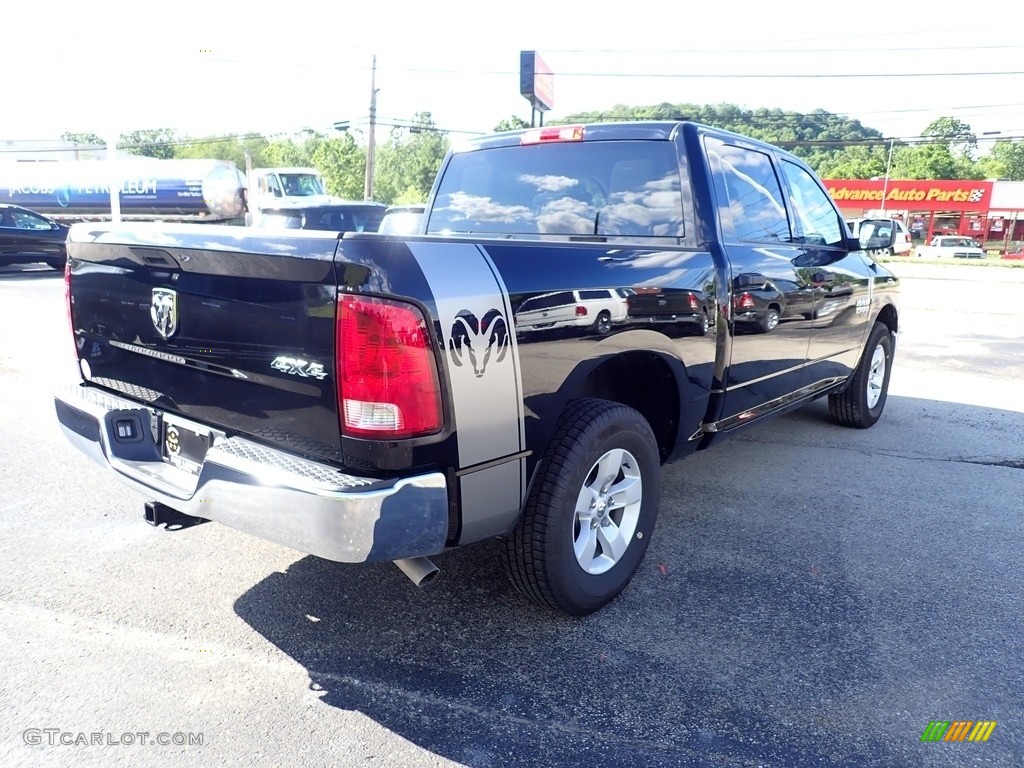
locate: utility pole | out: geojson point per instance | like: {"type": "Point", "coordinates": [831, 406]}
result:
{"type": "Point", "coordinates": [888, 168]}
{"type": "Point", "coordinates": [115, 180]}
{"type": "Point", "coordinates": [368, 186]}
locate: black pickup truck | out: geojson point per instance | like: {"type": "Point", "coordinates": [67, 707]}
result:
{"type": "Point", "coordinates": [364, 397]}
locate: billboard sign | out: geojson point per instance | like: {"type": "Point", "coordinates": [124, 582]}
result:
{"type": "Point", "coordinates": [536, 81]}
{"type": "Point", "coordinates": [911, 194]}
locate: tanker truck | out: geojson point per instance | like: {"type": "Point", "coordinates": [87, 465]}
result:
{"type": "Point", "coordinates": [150, 189]}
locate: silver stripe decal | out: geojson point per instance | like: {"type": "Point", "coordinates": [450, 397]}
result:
{"type": "Point", "coordinates": [515, 367]}
{"type": "Point", "coordinates": [480, 354]}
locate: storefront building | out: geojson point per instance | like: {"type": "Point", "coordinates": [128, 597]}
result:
{"type": "Point", "coordinates": [992, 212]}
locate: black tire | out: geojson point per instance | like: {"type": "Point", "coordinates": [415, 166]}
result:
{"type": "Point", "coordinates": [770, 321]}
{"type": "Point", "coordinates": [603, 324]}
{"type": "Point", "coordinates": [853, 406]}
{"type": "Point", "coordinates": [703, 325]}
{"type": "Point", "coordinates": [540, 553]}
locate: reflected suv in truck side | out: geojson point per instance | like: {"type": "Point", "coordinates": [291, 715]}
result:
{"type": "Point", "coordinates": [595, 308]}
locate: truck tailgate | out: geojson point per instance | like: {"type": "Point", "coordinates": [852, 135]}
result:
{"type": "Point", "coordinates": [213, 324]}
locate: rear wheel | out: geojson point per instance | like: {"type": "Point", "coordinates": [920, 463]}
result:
{"type": "Point", "coordinates": [603, 324]}
{"type": "Point", "coordinates": [861, 403]}
{"type": "Point", "coordinates": [591, 510]}
{"type": "Point", "coordinates": [770, 321]}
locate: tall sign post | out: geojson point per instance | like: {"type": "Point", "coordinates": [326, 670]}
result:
{"type": "Point", "coordinates": [537, 84]}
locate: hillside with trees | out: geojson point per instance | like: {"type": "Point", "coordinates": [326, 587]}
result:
{"type": "Point", "coordinates": [838, 147]}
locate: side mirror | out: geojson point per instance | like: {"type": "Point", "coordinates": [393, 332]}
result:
{"type": "Point", "coordinates": [876, 234]}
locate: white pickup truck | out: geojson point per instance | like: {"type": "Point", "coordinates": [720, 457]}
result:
{"type": "Point", "coordinates": [275, 187]}
{"type": "Point", "coordinates": [950, 247]}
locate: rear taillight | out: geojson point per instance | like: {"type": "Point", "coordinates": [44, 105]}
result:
{"type": "Point", "coordinates": [744, 301]}
{"type": "Point", "coordinates": [387, 375]}
{"type": "Point", "coordinates": [581, 311]}
{"type": "Point", "coordinates": [694, 305]}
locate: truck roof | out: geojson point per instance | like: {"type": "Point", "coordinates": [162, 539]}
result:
{"type": "Point", "coordinates": [624, 130]}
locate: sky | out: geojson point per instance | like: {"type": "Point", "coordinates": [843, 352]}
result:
{"type": "Point", "coordinates": [227, 67]}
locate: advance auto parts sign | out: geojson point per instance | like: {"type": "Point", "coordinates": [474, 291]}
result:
{"type": "Point", "coordinates": [912, 194]}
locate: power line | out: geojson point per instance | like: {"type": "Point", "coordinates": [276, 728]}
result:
{"type": "Point", "coordinates": [719, 75]}
{"type": "Point", "coordinates": [790, 50]}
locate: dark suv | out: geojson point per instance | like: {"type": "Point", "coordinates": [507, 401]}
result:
{"type": "Point", "coordinates": [332, 217]}
{"type": "Point", "coordinates": [27, 237]}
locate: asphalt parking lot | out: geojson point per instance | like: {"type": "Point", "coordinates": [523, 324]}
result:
{"type": "Point", "coordinates": [813, 596]}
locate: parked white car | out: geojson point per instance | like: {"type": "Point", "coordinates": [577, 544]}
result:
{"type": "Point", "coordinates": [950, 247]}
{"type": "Point", "coordinates": [596, 308]}
{"type": "Point", "coordinates": [903, 244]}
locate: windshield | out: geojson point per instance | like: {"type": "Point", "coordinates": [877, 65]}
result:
{"type": "Point", "coordinates": [302, 184]}
{"type": "Point", "coordinates": [595, 188]}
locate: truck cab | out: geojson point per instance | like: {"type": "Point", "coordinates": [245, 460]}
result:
{"type": "Point", "coordinates": [275, 187]}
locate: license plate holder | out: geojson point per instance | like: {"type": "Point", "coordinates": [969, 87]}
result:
{"type": "Point", "coordinates": [184, 444]}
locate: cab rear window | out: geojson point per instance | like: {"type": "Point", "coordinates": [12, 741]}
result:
{"type": "Point", "coordinates": [602, 189]}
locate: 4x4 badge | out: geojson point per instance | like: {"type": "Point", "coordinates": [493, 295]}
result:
{"type": "Point", "coordinates": [164, 311]}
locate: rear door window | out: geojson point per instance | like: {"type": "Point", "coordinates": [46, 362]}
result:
{"type": "Point", "coordinates": [749, 194]}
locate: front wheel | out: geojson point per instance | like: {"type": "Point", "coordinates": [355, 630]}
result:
{"type": "Point", "coordinates": [591, 510]}
{"type": "Point", "coordinates": [861, 403]}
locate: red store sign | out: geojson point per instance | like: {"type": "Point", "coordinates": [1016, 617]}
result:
{"type": "Point", "coordinates": [912, 194]}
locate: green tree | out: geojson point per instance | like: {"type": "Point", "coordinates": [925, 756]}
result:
{"type": "Point", "coordinates": [861, 161]}
{"type": "Point", "coordinates": [1004, 161]}
{"type": "Point", "coordinates": [288, 151]}
{"type": "Point", "coordinates": [159, 143]}
{"type": "Point", "coordinates": [407, 163]}
{"type": "Point", "coordinates": [931, 161]}
{"type": "Point", "coordinates": [85, 139]}
{"type": "Point", "coordinates": [343, 165]}
{"type": "Point", "coordinates": [512, 123]}
{"type": "Point", "coordinates": [956, 133]}
{"type": "Point", "coordinates": [229, 148]}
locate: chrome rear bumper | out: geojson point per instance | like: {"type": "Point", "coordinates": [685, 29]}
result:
{"type": "Point", "coordinates": [310, 506]}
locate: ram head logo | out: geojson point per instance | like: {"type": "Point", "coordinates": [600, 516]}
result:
{"type": "Point", "coordinates": [478, 341]}
{"type": "Point", "coordinates": [163, 310]}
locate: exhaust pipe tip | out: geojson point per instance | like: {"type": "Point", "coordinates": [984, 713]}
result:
{"type": "Point", "coordinates": [419, 569]}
